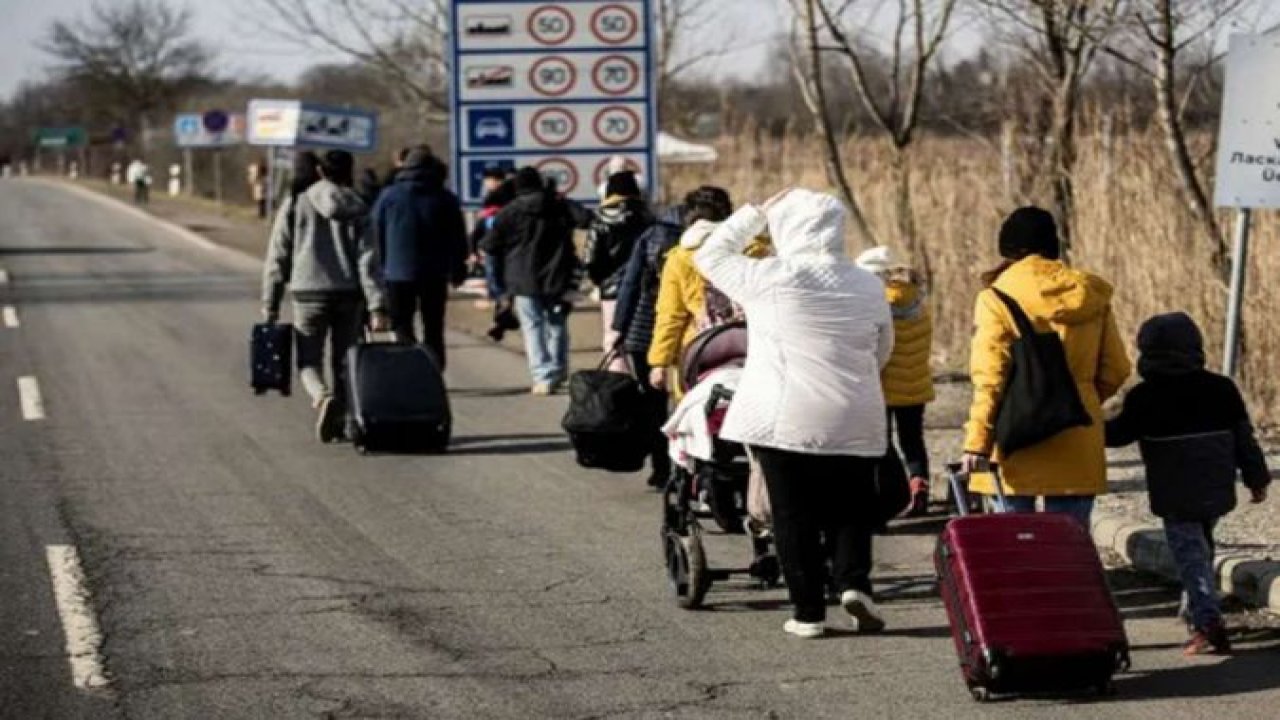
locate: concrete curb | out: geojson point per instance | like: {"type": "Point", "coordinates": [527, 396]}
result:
{"type": "Point", "coordinates": [1255, 581]}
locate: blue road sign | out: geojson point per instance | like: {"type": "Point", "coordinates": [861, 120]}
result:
{"type": "Point", "coordinates": [491, 128]}
{"type": "Point", "coordinates": [477, 167]}
{"type": "Point", "coordinates": [561, 86]}
{"type": "Point", "coordinates": [216, 121]}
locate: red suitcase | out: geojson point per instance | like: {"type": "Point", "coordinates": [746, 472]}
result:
{"type": "Point", "coordinates": [1028, 602]}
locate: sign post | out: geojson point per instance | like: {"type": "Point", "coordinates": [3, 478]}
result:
{"type": "Point", "coordinates": [1248, 172]}
{"type": "Point", "coordinates": [562, 86]}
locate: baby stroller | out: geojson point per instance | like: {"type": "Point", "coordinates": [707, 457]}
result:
{"type": "Point", "coordinates": [711, 483]}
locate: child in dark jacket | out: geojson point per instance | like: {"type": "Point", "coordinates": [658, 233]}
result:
{"type": "Point", "coordinates": [1195, 434]}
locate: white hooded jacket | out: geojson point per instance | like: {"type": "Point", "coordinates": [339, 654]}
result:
{"type": "Point", "coordinates": [820, 331]}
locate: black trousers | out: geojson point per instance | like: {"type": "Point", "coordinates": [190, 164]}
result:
{"type": "Point", "coordinates": [430, 298]}
{"type": "Point", "coordinates": [821, 499]}
{"type": "Point", "coordinates": [659, 409]}
{"type": "Point", "coordinates": [909, 422]}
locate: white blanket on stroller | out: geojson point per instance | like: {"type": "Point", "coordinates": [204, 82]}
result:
{"type": "Point", "coordinates": [688, 429]}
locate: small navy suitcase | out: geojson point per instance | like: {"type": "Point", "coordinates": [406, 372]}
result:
{"type": "Point", "coordinates": [398, 398]}
{"type": "Point", "coordinates": [271, 358]}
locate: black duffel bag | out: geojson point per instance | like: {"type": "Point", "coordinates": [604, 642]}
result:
{"type": "Point", "coordinates": [1040, 398]}
{"type": "Point", "coordinates": [607, 420]}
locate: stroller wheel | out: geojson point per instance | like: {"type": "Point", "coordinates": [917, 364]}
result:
{"type": "Point", "coordinates": [687, 571]}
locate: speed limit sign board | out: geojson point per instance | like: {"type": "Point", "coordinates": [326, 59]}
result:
{"type": "Point", "coordinates": [560, 85]}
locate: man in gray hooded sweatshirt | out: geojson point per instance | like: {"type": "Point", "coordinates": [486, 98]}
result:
{"type": "Point", "coordinates": [321, 250]}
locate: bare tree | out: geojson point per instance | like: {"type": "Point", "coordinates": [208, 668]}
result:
{"type": "Point", "coordinates": [685, 41]}
{"type": "Point", "coordinates": [137, 58]}
{"type": "Point", "coordinates": [806, 62]}
{"type": "Point", "coordinates": [406, 40]}
{"type": "Point", "coordinates": [1171, 43]}
{"type": "Point", "coordinates": [894, 100]}
{"type": "Point", "coordinates": [1059, 39]}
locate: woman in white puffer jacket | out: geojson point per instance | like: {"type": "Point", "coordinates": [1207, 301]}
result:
{"type": "Point", "coordinates": [810, 404]}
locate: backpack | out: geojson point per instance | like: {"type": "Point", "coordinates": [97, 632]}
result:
{"type": "Point", "coordinates": [1040, 398]}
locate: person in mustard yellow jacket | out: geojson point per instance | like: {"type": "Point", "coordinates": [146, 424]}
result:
{"type": "Point", "coordinates": [908, 378]}
{"type": "Point", "coordinates": [682, 301]}
{"type": "Point", "coordinates": [1069, 469]}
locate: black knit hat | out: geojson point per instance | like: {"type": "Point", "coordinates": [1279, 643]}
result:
{"type": "Point", "coordinates": [1029, 231]}
{"type": "Point", "coordinates": [623, 184]}
{"type": "Point", "coordinates": [528, 180]}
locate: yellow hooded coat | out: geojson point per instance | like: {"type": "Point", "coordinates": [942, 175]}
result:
{"type": "Point", "coordinates": [908, 379]}
{"type": "Point", "coordinates": [1077, 306]}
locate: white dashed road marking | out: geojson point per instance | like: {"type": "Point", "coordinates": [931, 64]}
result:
{"type": "Point", "coordinates": [79, 624]}
{"type": "Point", "coordinates": [10, 316]}
{"type": "Point", "coordinates": [29, 398]}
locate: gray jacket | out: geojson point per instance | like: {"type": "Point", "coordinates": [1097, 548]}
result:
{"type": "Point", "coordinates": [320, 245]}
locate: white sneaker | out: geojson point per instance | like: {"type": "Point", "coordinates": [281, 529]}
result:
{"type": "Point", "coordinates": [805, 630]}
{"type": "Point", "coordinates": [863, 611]}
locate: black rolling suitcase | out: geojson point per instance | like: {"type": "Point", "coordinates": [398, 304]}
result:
{"type": "Point", "coordinates": [398, 399]}
{"type": "Point", "coordinates": [271, 358]}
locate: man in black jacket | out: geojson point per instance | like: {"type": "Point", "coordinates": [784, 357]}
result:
{"type": "Point", "coordinates": [535, 260]}
{"type": "Point", "coordinates": [1195, 435]}
{"type": "Point", "coordinates": [421, 237]}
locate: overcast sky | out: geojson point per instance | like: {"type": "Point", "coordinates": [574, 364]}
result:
{"type": "Point", "coordinates": [245, 49]}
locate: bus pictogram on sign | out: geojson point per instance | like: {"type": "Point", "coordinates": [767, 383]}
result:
{"type": "Point", "coordinates": [616, 75]}
{"type": "Point", "coordinates": [562, 172]}
{"type": "Point", "coordinates": [553, 76]}
{"type": "Point", "coordinates": [615, 24]}
{"type": "Point", "coordinates": [554, 127]}
{"type": "Point", "coordinates": [551, 25]}
{"type": "Point", "coordinates": [617, 125]}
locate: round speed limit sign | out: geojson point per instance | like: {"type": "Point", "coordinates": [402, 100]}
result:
{"type": "Point", "coordinates": [615, 24]}
{"type": "Point", "coordinates": [553, 76]}
{"type": "Point", "coordinates": [554, 127]}
{"type": "Point", "coordinates": [616, 75]}
{"type": "Point", "coordinates": [551, 25]}
{"type": "Point", "coordinates": [562, 172]}
{"type": "Point", "coordinates": [617, 125]}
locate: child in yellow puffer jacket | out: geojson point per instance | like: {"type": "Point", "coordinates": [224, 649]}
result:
{"type": "Point", "coordinates": [908, 378]}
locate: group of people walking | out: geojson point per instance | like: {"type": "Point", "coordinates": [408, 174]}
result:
{"type": "Point", "coordinates": [839, 349]}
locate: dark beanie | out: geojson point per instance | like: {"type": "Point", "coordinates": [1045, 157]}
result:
{"type": "Point", "coordinates": [1029, 231]}
{"type": "Point", "coordinates": [528, 180]}
{"type": "Point", "coordinates": [623, 184]}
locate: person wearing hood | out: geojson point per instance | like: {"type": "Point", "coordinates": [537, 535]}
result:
{"type": "Point", "coordinates": [1195, 435]}
{"type": "Point", "coordinates": [686, 305]}
{"type": "Point", "coordinates": [536, 261]}
{"type": "Point", "coordinates": [1069, 469]}
{"type": "Point", "coordinates": [907, 379]}
{"type": "Point", "coordinates": [321, 251]}
{"type": "Point", "coordinates": [810, 404]}
{"type": "Point", "coordinates": [421, 236]}
{"type": "Point", "coordinates": [619, 222]}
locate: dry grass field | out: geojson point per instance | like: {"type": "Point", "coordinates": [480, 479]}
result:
{"type": "Point", "coordinates": [1131, 228]}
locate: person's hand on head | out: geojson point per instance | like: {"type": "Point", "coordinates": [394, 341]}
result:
{"type": "Point", "coordinates": [658, 378]}
{"type": "Point", "coordinates": [1258, 495]}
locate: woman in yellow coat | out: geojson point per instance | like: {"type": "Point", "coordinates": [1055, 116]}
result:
{"type": "Point", "coordinates": [682, 301]}
{"type": "Point", "coordinates": [908, 378]}
{"type": "Point", "coordinates": [1069, 469]}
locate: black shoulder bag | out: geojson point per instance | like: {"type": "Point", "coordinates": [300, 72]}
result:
{"type": "Point", "coordinates": [1040, 398]}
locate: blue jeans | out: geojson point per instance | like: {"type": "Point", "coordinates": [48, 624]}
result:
{"type": "Point", "coordinates": [1191, 544]}
{"type": "Point", "coordinates": [544, 322]}
{"type": "Point", "coordinates": [1079, 507]}
{"type": "Point", "coordinates": [492, 283]}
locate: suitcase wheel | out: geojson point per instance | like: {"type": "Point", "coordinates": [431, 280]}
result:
{"type": "Point", "coordinates": [980, 694]}
{"type": "Point", "coordinates": [259, 391]}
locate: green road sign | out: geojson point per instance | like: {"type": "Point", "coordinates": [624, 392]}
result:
{"type": "Point", "coordinates": [64, 137]}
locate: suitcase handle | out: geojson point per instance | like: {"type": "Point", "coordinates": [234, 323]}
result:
{"type": "Point", "coordinates": [955, 471]}
{"type": "Point", "coordinates": [385, 336]}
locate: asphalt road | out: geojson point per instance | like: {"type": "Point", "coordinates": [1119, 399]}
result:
{"type": "Point", "coordinates": [237, 569]}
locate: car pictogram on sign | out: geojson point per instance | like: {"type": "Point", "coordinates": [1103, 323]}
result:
{"type": "Point", "coordinates": [553, 76]}
{"type": "Point", "coordinates": [616, 75]}
{"type": "Point", "coordinates": [490, 76]}
{"type": "Point", "coordinates": [491, 127]}
{"type": "Point", "coordinates": [551, 25]}
{"type": "Point", "coordinates": [615, 24]}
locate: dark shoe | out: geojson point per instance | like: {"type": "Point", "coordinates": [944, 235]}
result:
{"type": "Point", "coordinates": [1209, 641]}
{"type": "Point", "coordinates": [919, 497]}
{"type": "Point", "coordinates": [658, 480]}
{"type": "Point", "coordinates": [497, 333]}
{"type": "Point", "coordinates": [330, 421]}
